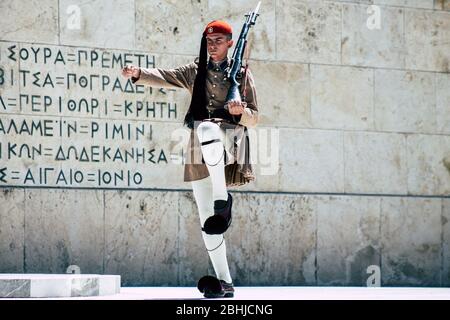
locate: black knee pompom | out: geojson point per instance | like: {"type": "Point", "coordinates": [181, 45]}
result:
{"type": "Point", "coordinates": [216, 224]}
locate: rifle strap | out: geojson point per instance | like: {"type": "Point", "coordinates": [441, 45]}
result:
{"type": "Point", "coordinates": [244, 95]}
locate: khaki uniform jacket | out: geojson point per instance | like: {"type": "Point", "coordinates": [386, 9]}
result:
{"type": "Point", "coordinates": [238, 168]}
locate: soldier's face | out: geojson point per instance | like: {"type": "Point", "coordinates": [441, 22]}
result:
{"type": "Point", "coordinates": [218, 45]}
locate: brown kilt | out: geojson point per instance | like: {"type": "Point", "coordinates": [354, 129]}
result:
{"type": "Point", "coordinates": [238, 167]}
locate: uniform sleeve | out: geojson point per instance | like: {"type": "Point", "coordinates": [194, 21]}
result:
{"type": "Point", "coordinates": [181, 77]}
{"type": "Point", "coordinates": [249, 118]}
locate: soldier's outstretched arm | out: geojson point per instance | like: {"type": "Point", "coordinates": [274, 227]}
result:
{"type": "Point", "coordinates": [181, 77]}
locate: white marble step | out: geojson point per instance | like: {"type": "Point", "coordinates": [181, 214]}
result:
{"type": "Point", "coordinates": [57, 285]}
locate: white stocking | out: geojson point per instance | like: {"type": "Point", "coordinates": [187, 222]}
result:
{"type": "Point", "coordinates": [213, 154]}
{"type": "Point", "coordinates": [215, 244]}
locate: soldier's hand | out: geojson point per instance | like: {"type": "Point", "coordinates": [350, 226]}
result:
{"type": "Point", "coordinates": [235, 107]}
{"type": "Point", "coordinates": [131, 71]}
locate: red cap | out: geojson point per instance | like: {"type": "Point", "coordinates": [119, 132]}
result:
{"type": "Point", "coordinates": [218, 26]}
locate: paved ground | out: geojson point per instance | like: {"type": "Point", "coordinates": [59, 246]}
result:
{"type": "Point", "coordinates": [283, 293]}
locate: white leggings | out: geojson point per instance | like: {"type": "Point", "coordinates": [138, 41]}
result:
{"type": "Point", "coordinates": [212, 188]}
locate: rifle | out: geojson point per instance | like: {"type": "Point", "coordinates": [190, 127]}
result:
{"type": "Point", "coordinates": [237, 57]}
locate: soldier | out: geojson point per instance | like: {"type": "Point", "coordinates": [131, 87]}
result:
{"type": "Point", "coordinates": [225, 158]}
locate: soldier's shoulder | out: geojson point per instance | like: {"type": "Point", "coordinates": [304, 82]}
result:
{"type": "Point", "coordinates": [188, 67]}
{"type": "Point", "coordinates": [193, 64]}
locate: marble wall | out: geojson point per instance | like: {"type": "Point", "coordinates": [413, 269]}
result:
{"type": "Point", "coordinates": [352, 154]}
